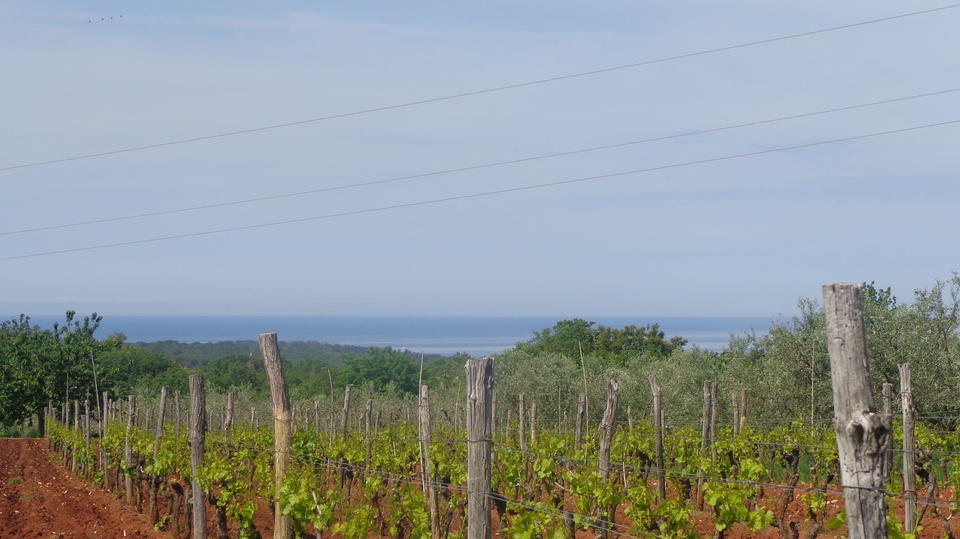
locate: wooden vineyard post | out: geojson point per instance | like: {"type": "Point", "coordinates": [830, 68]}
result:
{"type": "Point", "coordinates": [581, 415]}
{"type": "Point", "coordinates": [316, 417]}
{"type": "Point", "coordinates": [863, 435]}
{"type": "Point", "coordinates": [608, 427]}
{"type": "Point", "coordinates": [368, 435]}
{"type": "Point", "coordinates": [743, 409]}
{"type": "Point", "coordinates": [522, 428]}
{"type": "Point", "coordinates": [909, 455]}
{"type": "Point", "coordinates": [533, 424]}
{"type": "Point", "coordinates": [153, 510]}
{"type": "Point", "coordinates": [86, 437]}
{"type": "Point", "coordinates": [228, 419]}
{"type": "Point", "coordinates": [198, 434]}
{"type": "Point", "coordinates": [493, 412]}
{"type": "Point", "coordinates": [735, 401]}
{"type": "Point", "coordinates": [176, 404]}
{"type": "Point", "coordinates": [479, 446]}
{"type": "Point", "coordinates": [128, 450]}
{"type": "Point", "coordinates": [888, 410]}
{"type": "Point", "coordinates": [346, 408]}
{"type": "Point", "coordinates": [715, 387]}
{"type": "Point", "coordinates": [425, 439]}
{"type": "Point", "coordinates": [658, 437]}
{"type": "Point", "coordinates": [283, 524]}
{"type": "Point", "coordinates": [704, 436]}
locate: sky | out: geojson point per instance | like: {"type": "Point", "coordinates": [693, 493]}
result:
{"type": "Point", "coordinates": [379, 101]}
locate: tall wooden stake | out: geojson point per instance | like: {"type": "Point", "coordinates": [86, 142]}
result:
{"type": "Point", "coordinates": [863, 435]}
{"type": "Point", "coordinates": [128, 449]}
{"type": "Point", "coordinates": [479, 446]}
{"type": "Point", "coordinates": [523, 427]}
{"type": "Point", "coordinates": [909, 455]}
{"type": "Point", "coordinates": [608, 427]}
{"type": "Point", "coordinates": [658, 437]}
{"type": "Point", "coordinates": [198, 435]}
{"type": "Point", "coordinates": [346, 409]}
{"type": "Point", "coordinates": [581, 419]}
{"type": "Point", "coordinates": [283, 524]}
{"type": "Point", "coordinates": [425, 465]}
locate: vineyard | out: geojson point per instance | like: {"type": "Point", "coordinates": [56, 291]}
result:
{"type": "Point", "coordinates": [366, 478]}
{"type": "Point", "coordinates": [363, 462]}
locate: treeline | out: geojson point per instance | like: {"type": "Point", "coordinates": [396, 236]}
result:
{"type": "Point", "coordinates": [197, 355]}
{"type": "Point", "coordinates": [785, 372]}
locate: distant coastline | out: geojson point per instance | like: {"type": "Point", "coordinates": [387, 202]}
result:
{"type": "Point", "coordinates": [444, 335]}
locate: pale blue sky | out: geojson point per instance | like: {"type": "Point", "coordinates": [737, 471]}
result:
{"type": "Point", "coordinates": [738, 237]}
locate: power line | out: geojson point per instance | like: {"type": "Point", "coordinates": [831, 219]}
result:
{"type": "Point", "coordinates": [479, 92]}
{"type": "Point", "coordinates": [106, 19]}
{"type": "Point", "coordinates": [484, 194]}
{"type": "Point", "coordinates": [482, 166]}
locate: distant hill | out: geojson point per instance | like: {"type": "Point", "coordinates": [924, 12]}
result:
{"type": "Point", "coordinates": [196, 355]}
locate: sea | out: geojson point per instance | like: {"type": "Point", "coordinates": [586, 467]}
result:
{"type": "Point", "coordinates": [445, 335]}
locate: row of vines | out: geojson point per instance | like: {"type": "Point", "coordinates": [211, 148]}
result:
{"type": "Point", "coordinates": [354, 485]}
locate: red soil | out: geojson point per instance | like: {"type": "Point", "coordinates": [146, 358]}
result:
{"type": "Point", "coordinates": [39, 499]}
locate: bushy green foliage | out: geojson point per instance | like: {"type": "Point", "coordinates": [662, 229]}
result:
{"type": "Point", "coordinates": [128, 369]}
{"type": "Point", "coordinates": [383, 367]}
{"type": "Point", "coordinates": [788, 369]}
{"type": "Point", "coordinates": [231, 372]}
{"type": "Point", "coordinates": [38, 365]}
{"type": "Point", "coordinates": [578, 337]}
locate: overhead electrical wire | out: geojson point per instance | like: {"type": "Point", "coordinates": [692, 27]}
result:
{"type": "Point", "coordinates": [479, 92]}
{"type": "Point", "coordinates": [481, 166]}
{"type": "Point", "coordinates": [485, 194]}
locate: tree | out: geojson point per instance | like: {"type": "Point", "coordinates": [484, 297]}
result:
{"type": "Point", "coordinates": [382, 367]}
{"type": "Point", "coordinates": [236, 371]}
{"type": "Point", "coordinates": [126, 369]}
{"type": "Point", "coordinates": [41, 365]}
{"type": "Point", "coordinates": [571, 338]}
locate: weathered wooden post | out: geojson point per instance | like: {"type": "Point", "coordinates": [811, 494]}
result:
{"type": "Point", "coordinates": [425, 466]}
{"type": "Point", "coordinates": [608, 427]}
{"type": "Point", "coordinates": [909, 455]}
{"type": "Point", "coordinates": [533, 424]}
{"type": "Point", "coordinates": [128, 449]}
{"type": "Point", "coordinates": [153, 510]}
{"type": "Point", "coordinates": [228, 417]}
{"type": "Point", "coordinates": [704, 436]}
{"type": "Point", "coordinates": [346, 408]}
{"type": "Point", "coordinates": [658, 437]}
{"type": "Point", "coordinates": [198, 435]}
{"type": "Point", "coordinates": [368, 434]}
{"type": "Point", "coordinates": [863, 435]}
{"type": "Point", "coordinates": [493, 412]}
{"type": "Point", "coordinates": [743, 408]}
{"type": "Point", "coordinates": [522, 428]}
{"type": "Point", "coordinates": [735, 401]}
{"type": "Point", "coordinates": [714, 389]}
{"type": "Point", "coordinates": [581, 416]}
{"type": "Point", "coordinates": [888, 410]}
{"type": "Point", "coordinates": [479, 446]}
{"type": "Point", "coordinates": [86, 437]}
{"type": "Point", "coordinates": [176, 404]}
{"type": "Point", "coordinates": [283, 524]}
